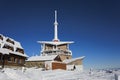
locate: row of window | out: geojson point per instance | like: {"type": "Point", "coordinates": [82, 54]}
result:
{"type": "Point", "coordinates": [8, 40]}
{"type": "Point", "coordinates": [11, 48]}
{"type": "Point", "coordinates": [13, 59]}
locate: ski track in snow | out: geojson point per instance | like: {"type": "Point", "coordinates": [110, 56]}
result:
{"type": "Point", "coordinates": [37, 74]}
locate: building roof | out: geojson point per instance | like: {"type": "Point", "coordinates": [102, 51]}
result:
{"type": "Point", "coordinates": [4, 51]}
{"type": "Point", "coordinates": [42, 58]}
{"type": "Point", "coordinates": [73, 59]}
{"type": "Point", "coordinates": [56, 43]}
{"type": "Point", "coordinates": [7, 51]}
{"type": "Point", "coordinates": [15, 45]}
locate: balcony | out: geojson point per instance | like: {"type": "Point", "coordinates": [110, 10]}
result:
{"type": "Point", "coordinates": [56, 51]}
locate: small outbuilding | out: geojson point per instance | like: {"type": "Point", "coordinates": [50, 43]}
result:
{"type": "Point", "coordinates": [74, 63]}
{"type": "Point", "coordinates": [42, 61]}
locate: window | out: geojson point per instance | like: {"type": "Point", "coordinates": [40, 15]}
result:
{"type": "Point", "coordinates": [8, 47]}
{"type": "Point", "coordinates": [10, 41]}
{"type": "Point", "coordinates": [19, 61]}
{"type": "Point", "coordinates": [15, 60]}
{"type": "Point", "coordinates": [20, 50]}
{"type": "Point", "coordinates": [1, 37]}
{"type": "Point", "coordinates": [0, 57]}
{"type": "Point", "coordinates": [67, 57]}
{"type": "Point", "coordinates": [9, 59]}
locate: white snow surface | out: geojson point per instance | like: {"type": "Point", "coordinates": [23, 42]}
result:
{"type": "Point", "coordinates": [42, 58]}
{"type": "Point", "coordinates": [55, 43]}
{"type": "Point", "coordinates": [38, 74]}
{"type": "Point", "coordinates": [15, 46]}
{"type": "Point", "coordinates": [73, 59]}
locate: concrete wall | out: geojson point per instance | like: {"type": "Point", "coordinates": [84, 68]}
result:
{"type": "Point", "coordinates": [77, 67]}
{"type": "Point", "coordinates": [76, 62]}
{"type": "Point", "coordinates": [63, 57]}
{"type": "Point", "coordinates": [62, 47]}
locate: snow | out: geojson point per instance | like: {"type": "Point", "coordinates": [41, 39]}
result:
{"type": "Point", "coordinates": [17, 53]}
{"type": "Point", "coordinates": [73, 59]}
{"type": "Point", "coordinates": [42, 58]}
{"type": "Point", "coordinates": [7, 51]}
{"type": "Point", "coordinates": [39, 74]}
{"type": "Point", "coordinates": [4, 51]}
{"type": "Point", "coordinates": [56, 43]}
{"type": "Point", "coordinates": [15, 46]}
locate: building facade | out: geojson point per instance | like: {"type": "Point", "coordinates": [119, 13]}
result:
{"type": "Point", "coordinates": [11, 53]}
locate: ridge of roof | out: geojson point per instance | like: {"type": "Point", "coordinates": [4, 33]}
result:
{"type": "Point", "coordinates": [42, 58]}
{"type": "Point", "coordinates": [73, 59]}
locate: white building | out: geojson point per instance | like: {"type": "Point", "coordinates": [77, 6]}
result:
{"type": "Point", "coordinates": [57, 47]}
{"type": "Point", "coordinates": [11, 52]}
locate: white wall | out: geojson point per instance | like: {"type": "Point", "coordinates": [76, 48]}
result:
{"type": "Point", "coordinates": [77, 67]}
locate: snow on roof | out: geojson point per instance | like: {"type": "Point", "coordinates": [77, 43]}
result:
{"type": "Point", "coordinates": [20, 54]}
{"type": "Point", "coordinates": [15, 45]}
{"type": "Point", "coordinates": [7, 51]}
{"type": "Point", "coordinates": [42, 58]}
{"type": "Point", "coordinates": [18, 45]}
{"type": "Point", "coordinates": [4, 51]}
{"type": "Point", "coordinates": [10, 38]}
{"type": "Point", "coordinates": [55, 43]}
{"type": "Point", "coordinates": [73, 59]}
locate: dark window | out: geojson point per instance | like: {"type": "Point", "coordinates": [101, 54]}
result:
{"type": "Point", "coordinates": [20, 50]}
{"type": "Point", "coordinates": [59, 48]}
{"type": "Point", "coordinates": [0, 57]}
{"type": "Point", "coordinates": [67, 57]}
{"type": "Point", "coordinates": [1, 37]}
{"type": "Point", "coordinates": [9, 58]}
{"type": "Point", "coordinates": [8, 47]}
{"type": "Point", "coordinates": [10, 41]}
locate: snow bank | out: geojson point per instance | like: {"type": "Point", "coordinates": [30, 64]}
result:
{"type": "Point", "coordinates": [38, 74]}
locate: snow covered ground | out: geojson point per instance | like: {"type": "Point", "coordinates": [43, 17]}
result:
{"type": "Point", "coordinates": [38, 74]}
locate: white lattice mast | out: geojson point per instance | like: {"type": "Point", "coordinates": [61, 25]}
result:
{"type": "Point", "coordinates": [55, 28]}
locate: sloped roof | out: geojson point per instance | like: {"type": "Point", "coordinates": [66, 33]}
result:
{"type": "Point", "coordinates": [56, 43]}
{"type": "Point", "coordinates": [15, 46]}
{"type": "Point", "coordinates": [16, 43]}
{"type": "Point", "coordinates": [73, 59]}
{"type": "Point", "coordinates": [17, 53]}
{"type": "Point", "coordinates": [42, 58]}
{"type": "Point", "coordinates": [7, 51]}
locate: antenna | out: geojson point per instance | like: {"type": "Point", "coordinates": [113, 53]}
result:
{"type": "Point", "coordinates": [55, 28]}
{"type": "Point", "coordinates": [55, 16]}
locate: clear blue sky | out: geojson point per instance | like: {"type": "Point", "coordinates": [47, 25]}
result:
{"type": "Point", "coordinates": [94, 26]}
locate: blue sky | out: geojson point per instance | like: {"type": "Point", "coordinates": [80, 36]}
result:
{"type": "Point", "coordinates": [94, 26]}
